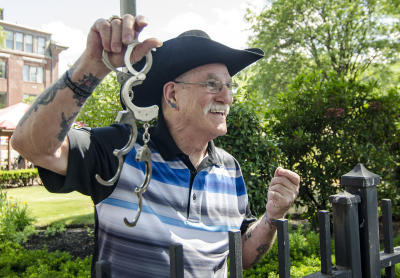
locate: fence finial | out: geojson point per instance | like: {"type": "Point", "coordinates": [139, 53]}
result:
{"type": "Point", "coordinates": [360, 177]}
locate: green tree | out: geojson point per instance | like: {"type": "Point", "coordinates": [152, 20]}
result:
{"type": "Point", "coordinates": [300, 36]}
{"type": "Point", "coordinates": [2, 33]}
{"type": "Point", "coordinates": [29, 99]}
{"type": "Point", "coordinates": [326, 125]}
{"type": "Point", "coordinates": [103, 105]}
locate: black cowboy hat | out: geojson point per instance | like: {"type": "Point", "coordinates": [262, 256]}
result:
{"type": "Point", "coordinates": [189, 50]}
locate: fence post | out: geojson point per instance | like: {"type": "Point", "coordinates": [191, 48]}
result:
{"type": "Point", "coordinates": [283, 247]}
{"type": "Point", "coordinates": [325, 241]}
{"type": "Point", "coordinates": [387, 226]}
{"type": "Point", "coordinates": [176, 260]}
{"type": "Point", "coordinates": [235, 255]}
{"type": "Point", "coordinates": [103, 269]}
{"type": "Point", "coordinates": [346, 233]}
{"type": "Point", "coordinates": [362, 182]}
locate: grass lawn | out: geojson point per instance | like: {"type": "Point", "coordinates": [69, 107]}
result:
{"type": "Point", "coordinates": [48, 208]}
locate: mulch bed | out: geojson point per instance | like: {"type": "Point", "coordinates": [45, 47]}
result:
{"type": "Point", "coordinates": [78, 241]}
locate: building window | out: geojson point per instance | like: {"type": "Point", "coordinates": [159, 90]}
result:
{"type": "Point", "coordinates": [28, 43]}
{"type": "Point", "coordinates": [33, 74]}
{"type": "Point", "coordinates": [41, 45]}
{"type": "Point", "coordinates": [39, 75]}
{"type": "Point", "coordinates": [3, 69]}
{"type": "Point", "coordinates": [19, 41]}
{"type": "Point", "coordinates": [10, 40]}
{"type": "Point", "coordinates": [3, 99]}
{"type": "Point", "coordinates": [23, 42]}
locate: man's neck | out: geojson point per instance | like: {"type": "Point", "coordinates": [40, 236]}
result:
{"type": "Point", "coordinates": [190, 143]}
{"type": "Point", "coordinates": [194, 147]}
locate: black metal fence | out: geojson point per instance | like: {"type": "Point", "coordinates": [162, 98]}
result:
{"type": "Point", "coordinates": [355, 229]}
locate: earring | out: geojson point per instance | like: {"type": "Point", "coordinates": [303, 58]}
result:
{"type": "Point", "coordinates": [173, 105]}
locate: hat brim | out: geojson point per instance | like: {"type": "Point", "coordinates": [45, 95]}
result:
{"type": "Point", "coordinates": [182, 54]}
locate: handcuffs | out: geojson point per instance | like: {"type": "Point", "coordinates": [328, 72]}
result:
{"type": "Point", "coordinates": [129, 78]}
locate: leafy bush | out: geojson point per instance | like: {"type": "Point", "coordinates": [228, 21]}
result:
{"type": "Point", "coordinates": [16, 261]}
{"type": "Point", "coordinates": [326, 125]}
{"type": "Point", "coordinates": [102, 106]}
{"type": "Point", "coordinates": [54, 229]}
{"type": "Point", "coordinates": [15, 222]}
{"type": "Point", "coordinates": [304, 256]}
{"type": "Point", "coordinates": [22, 177]}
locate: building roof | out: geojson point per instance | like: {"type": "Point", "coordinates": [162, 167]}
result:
{"type": "Point", "coordinates": [21, 27]}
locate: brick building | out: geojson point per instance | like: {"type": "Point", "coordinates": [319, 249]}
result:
{"type": "Point", "coordinates": [28, 63]}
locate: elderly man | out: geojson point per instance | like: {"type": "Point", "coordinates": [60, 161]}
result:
{"type": "Point", "coordinates": [197, 193]}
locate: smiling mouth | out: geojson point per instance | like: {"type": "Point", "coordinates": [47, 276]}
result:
{"type": "Point", "coordinates": [218, 113]}
{"type": "Point", "coordinates": [220, 110]}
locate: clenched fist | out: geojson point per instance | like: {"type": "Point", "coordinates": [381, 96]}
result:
{"type": "Point", "coordinates": [282, 192]}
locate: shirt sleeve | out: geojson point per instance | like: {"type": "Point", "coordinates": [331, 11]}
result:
{"type": "Point", "coordinates": [248, 219]}
{"type": "Point", "coordinates": [90, 153]}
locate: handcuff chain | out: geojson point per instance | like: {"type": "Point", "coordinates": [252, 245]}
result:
{"type": "Point", "coordinates": [146, 134]}
{"type": "Point", "coordinates": [129, 78]}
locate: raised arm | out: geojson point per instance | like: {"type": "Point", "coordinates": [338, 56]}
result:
{"type": "Point", "coordinates": [260, 236]}
{"type": "Point", "coordinates": [41, 134]}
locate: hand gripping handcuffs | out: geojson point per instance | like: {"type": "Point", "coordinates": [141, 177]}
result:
{"type": "Point", "coordinates": [130, 78]}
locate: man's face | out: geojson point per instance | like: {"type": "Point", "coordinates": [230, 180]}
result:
{"type": "Point", "coordinates": [202, 110]}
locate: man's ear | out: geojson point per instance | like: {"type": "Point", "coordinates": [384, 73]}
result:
{"type": "Point", "coordinates": [169, 94]}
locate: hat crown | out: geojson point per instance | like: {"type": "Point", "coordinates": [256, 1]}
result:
{"type": "Point", "coordinates": [196, 33]}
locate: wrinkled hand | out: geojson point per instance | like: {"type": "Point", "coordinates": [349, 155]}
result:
{"type": "Point", "coordinates": [113, 36]}
{"type": "Point", "coordinates": [282, 192]}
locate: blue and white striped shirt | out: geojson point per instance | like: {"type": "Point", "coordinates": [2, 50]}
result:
{"type": "Point", "coordinates": [218, 203]}
{"type": "Point", "coordinates": [193, 207]}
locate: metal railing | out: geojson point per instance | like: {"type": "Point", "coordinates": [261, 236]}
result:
{"type": "Point", "coordinates": [356, 232]}
{"type": "Point", "coordinates": [356, 236]}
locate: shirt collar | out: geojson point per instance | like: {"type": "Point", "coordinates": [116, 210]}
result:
{"type": "Point", "coordinates": [165, 144]}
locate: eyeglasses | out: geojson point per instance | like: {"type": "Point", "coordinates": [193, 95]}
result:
{"type": "Point", "coordinates": [214, 86]}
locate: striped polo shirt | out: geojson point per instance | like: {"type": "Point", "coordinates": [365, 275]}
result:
{"type": "Point", "coordinates": [198, 218]}
{"type": "Point", "coordinates": [193, 207]}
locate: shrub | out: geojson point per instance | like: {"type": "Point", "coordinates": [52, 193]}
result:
{"type": "Point", "coordinates": [54, 229]}
{"type": "Point", "coordinates": [304, 256]}
{"type": "Point", "coordinates": [15, 222]}
{"type": "Point", "coordinates": [22, 177]}
{"type": "Point", "coordinates": [102, 106]}
{"type": "Point", "coordinates": [16, 261]}
{"type": "Point", "coordinates": [326, 125]}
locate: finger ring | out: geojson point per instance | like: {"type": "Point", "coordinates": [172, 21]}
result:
{"type": "Point", "coordinates": [114, 17]}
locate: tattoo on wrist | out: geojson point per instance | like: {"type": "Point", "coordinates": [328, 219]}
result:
{"type": "Point", "coordinates": [44, 99]}
{"type": "Point", "coordinates": [270, 221]}
{"type": "Point", "coordinates": [82, 88]}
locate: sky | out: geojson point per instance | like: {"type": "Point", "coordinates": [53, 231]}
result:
{"type": "Point", "coordinates": [69, 21]}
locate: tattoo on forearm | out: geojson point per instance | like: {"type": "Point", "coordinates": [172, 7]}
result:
{"type": "Point", "coordinates": [79, 100]}
{"type": "Point", "coordinates": [249, 232]}
{"type": "Point", "coordinates": [65, 125]}
{"type": "Point", "coordinates": [262, 249]}
{"type": "Point", "coordinates": [247, 236]}
{"type": "Point", "coordinates": [44, 99]}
